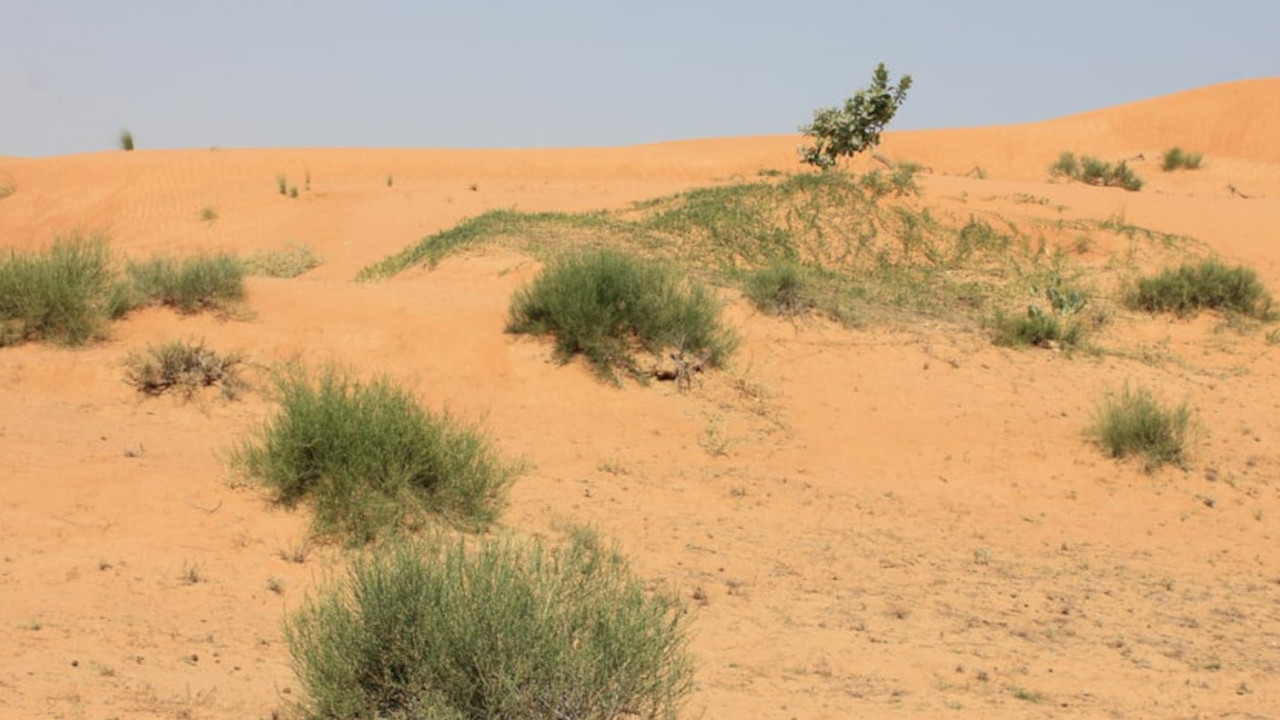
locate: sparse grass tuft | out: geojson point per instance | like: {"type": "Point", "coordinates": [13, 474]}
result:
{"type": "Point", "coordinates": [208, 214]}
{"type": "Point", "coordinates": [282, 184]}
{"type": "Point", "coordinates": [371, 458]}
{"type": "Point", "coordinates": [61, 294]}
{"type": "Point", "coordinates": [1037, 328]}
{"type": "Point", "coordinates": [1209, 285]}
{"type": "Point", "coordinates": [1175, 159]}
{"type": "Point", "coordinates": [184, 366]}
{"type": "Point", "coordinates": [288, 262]}
{"type": "Point", "coordinates": [495, 629]}
{"type": "Point", "coordinates": [903, 179]}
{"type": "Point", "coordinates": [605, 303]}
{"type": "Point", "coordinates": [200, 282]}
{"type": "Point", "coordinates": [780, 289]}
{"type": "Point", "coordinates": [7, 187]}
{"type": "Point", "coordinates": [1135, 423]}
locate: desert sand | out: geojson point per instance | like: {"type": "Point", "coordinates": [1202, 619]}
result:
{"type": "Point", "coordinates": [880, 521]}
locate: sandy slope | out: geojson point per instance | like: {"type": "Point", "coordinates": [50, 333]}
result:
{"type": "Point", "coordinates": [872, 522]}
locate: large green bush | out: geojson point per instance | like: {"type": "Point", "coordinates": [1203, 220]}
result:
{"type": "Point", "coordinates": [1208, 285]}
{"type": "Point", "coordinates": [371, 458]}
{"type": "Point", "coordinates": [491, 630]}
{"type": "Point", "coordinates": [605, 303]}
{"type": "Point", "coordinates": [61, 294]}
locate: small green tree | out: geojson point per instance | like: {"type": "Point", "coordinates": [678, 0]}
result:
{"type": "Point", "coordinates": [846, 131]}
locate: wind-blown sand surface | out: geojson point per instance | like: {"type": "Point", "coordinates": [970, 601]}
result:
{"type": "Point", "coordinates": [896, 521]}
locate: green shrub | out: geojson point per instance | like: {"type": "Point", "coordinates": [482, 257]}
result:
{"type": "Point", "coordinates": [60, 294]}
{"type": "Point", "coordinates": [498, 630]}
{"type": "Point", "coordinates": [1123, 177]}
{"type": "Point", "coordinates": [1208, 285]}
{"type": "Point", "coordinates": [604, 303]}
{"type": "Point", "coordinates": [289, 262]}
{"type": "Point", "coordinates": [1092, 171]}
{"type": "Point", "coordinates": [185, 366]}
{"type": "Point", "coordinates": [126, 140]}
{"type": "Point", "coordinates": [282, 184]}
{"type": "Point", "coordinates": [196, 283]}
{"type": "Point", "coordinates": [903, 179]}
{"type": "Point", "coordinates": [1036, 327]}
{"type": "Point", "coordinates": [1066, 166]}
{"type": "Point", "coordinates": [780, 289]}
{"type": "Point", "coordinates": [372, 458]}
{"type": "Point", "coordinates": [1175, 159]}
{"type": "Point", "coordinates": [1135, 423]}
{"type": "Point", "coordinates": [846, 131]}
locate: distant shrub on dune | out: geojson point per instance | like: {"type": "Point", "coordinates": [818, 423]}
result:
{"type": "Point", "coordinates": [1175, 159]}
{"type": "Point", "coordinates": [126, 140]}
{"type": "Point", "coordinates": [1066, 166]}
{"type": "Point", "coordinates": [1093, 171]}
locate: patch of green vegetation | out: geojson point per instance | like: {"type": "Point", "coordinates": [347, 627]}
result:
{"type": "Point", "coordinates": [494, 629]}
{"type": "Point", "coordinates": [196, 283]}
{"type": "Point", "coordinates": [63, 293]}
{"type": "Point", "coordinates": [7, 187]}
{"type": "Point", "coordinates": [1037, 328]}
{"type": "Point", "coordinates": [208, 214]}
{"type": "Point", "coordinates": [1175, 159]}
{"type": "Point", "coordinates": [282, 184]}
{"type": "Point", "coordinates": [288, 262]}
{"type": "Point", "coordinates": [126, 140]}
{"type": "Point", "coordinates": [780, 289]}
{"type": "Point", "coordinates": [1209, 284]}
{"type": "Point", "coordinates": [1093, 171]}
{"type": "Point", "coordinates": [490, 226]}
{"type": "Point", "coordinates": [867, 252]}
{"type": "Point", "coordinates": [185, 366]}
{"type": "Point", "coordinates": [371, 459]}
{"type": "Point", "coordinates": [1027, 695]}
{"type": "Point", "coordinates": [604, 304]}
{"type": "Point", "coordinates": [1135, 423]}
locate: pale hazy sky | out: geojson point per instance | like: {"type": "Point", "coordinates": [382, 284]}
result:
{"type": "Point", "coordinates": [501, 73]}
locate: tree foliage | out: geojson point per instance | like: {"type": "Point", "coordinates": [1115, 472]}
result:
{"type": "Point", "coordinates": [846, 131]}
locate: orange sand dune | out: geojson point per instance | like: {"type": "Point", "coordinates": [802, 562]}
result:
{"type": "Point", "coordinates": [870, 522]}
